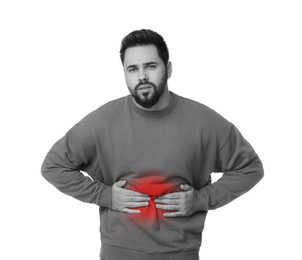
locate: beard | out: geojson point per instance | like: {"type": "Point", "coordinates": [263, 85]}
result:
{"type": "Point", "coordinates": [149, 98]}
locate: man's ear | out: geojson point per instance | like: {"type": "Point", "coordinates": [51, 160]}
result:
{"type": "Point", "coordinates": [169, 69]}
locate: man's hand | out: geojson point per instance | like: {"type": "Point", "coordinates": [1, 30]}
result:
{"type": "Point", "coordinates": [123, 200]}
{"type": "Point", "coordinates": [181, 203]}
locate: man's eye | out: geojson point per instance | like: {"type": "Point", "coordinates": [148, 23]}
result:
{"type": "Point", "coordinates": [132, 70]}
{"type": "Point", "coordinates": [151, 67]}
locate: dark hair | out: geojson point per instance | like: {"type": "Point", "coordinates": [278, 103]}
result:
{"type": "Point", "coordinates": [145, 37]}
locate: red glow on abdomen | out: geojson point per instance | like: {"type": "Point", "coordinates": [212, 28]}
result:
{"type": "Point", "coordinates": [154, 186]}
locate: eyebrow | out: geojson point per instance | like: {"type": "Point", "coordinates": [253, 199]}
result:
{"type": "Point", "coordinates": [144, 64]}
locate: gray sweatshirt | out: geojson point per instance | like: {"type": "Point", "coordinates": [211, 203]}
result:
{"type": "Point", "coordinates": [154, 152]}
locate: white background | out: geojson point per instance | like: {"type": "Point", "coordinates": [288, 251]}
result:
{"type": "Point", "coordinates": [59, 61]}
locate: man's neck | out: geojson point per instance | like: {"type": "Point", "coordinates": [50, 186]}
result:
{"type": "Point", "coordinates": [162, 103]}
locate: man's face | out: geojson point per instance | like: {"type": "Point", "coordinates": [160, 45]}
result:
{"type": "Point", "coordinates": [146, 74]}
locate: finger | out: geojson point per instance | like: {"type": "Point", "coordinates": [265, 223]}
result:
{"type": "Point", "coordinates": [173, 214]}
{"type": "Point", "coordinates": [137, 199]}
{"type": "Point", "coordinates": [186, 187]}
{"type": "Point", "coordinates": [120, 183]}
{"type": "Point", "coordinates": [131, 193]}
{"type": "Point", "coordinates": [174, 195]}
{"type": "Point", "coordinates": [131, 211]}
{"type": "Point", "coordinates": [167, 207]}
{"type": "Point", "coordinates": [136, 204]}
{"type": "Point", "coordinates": [168, 201]}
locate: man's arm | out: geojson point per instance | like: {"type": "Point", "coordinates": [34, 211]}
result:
{"type": "Point", "coordinates": [242, 170]}
{"type": "Point", "coordinates": [76, 152]}
{"type": "Point", "coordinates": [66, 159]}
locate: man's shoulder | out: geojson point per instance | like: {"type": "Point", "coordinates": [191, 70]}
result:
{"type": "Point", "coordinates": [193, 104]}
{"type": "Point", "coordinates": [109, 107]}
{"type": "Point", "coordinates": [112, 104]}
{"type": "Point", "coordinates": [107, 111]}
{"type": "Point", "coordinates": [197, 107]}
{"type": "Point", "coordinates": [199, 112]}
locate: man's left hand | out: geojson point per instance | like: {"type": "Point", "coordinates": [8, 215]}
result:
{"type": "Point", "coordinates": [181, 203]}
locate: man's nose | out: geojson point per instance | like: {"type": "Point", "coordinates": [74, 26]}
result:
{"type": "Point", "coordinates": [142, 75]}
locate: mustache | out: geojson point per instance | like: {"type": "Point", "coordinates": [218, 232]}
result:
{"type": "Point", "coordinates": [144, 83]}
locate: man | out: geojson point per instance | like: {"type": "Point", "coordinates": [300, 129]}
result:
{"type": "Point", "coordinates": [150, 156]}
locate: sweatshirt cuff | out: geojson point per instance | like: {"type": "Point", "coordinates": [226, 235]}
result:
{"type": "Point", "coordinates": [105, 199]}
{"type": "Point", "coordinates": [201, 199]}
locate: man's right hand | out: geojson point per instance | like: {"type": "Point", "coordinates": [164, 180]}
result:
{"type": "Point", "coordinates": [124, 200]}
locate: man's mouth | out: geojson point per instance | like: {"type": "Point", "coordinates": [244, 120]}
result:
{"type": "Point", "coordinates": [143, 87]}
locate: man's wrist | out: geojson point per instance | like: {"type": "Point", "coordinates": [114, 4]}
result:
{"type": "Point", "coordinates": [200, 200]}
{"type": "Point", "coordinates": [105, 197]}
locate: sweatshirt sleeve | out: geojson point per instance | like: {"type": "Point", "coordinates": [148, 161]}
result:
{"type": "Point", "coordinates": [73, 153]}
{"type": "Point", "coordinates": [241, 168]}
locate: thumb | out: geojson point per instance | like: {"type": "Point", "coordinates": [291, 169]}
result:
{"type": "Point", "coordinates": [120, 183]}
{"type": "Point", "coordinates": [186, 187]}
